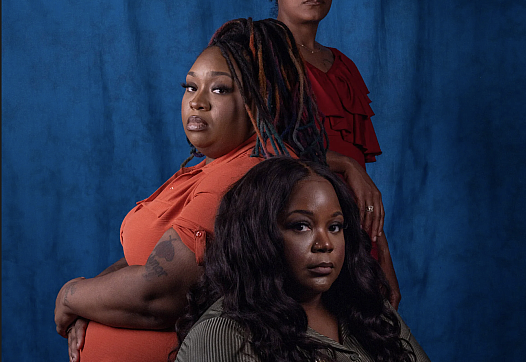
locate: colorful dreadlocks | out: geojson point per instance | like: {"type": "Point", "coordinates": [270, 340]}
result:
{"type": "Point", "coordinates": [274, 87]}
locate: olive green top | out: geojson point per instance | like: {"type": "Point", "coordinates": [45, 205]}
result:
{"type": "Point", "coordinates": [219, 339]}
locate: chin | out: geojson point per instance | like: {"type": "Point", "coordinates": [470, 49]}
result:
{"type": "Point", "coordinates": [201, 143]}
{"type": "Point", "coordinates": [321, 288]}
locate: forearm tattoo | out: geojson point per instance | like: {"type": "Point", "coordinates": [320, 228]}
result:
{"type": "Point", "coordinates": [70, 290]}
{"type": "Point", "coordinates": [164, 250]}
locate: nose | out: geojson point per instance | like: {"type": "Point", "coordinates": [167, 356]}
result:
{"type": "Point", "coordinates": [322, 243]}
{"type": "Point", "coordinates": [199, 102]}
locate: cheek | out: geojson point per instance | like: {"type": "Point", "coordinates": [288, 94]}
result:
{"type": "Point", "coordinates": [239, 107]}
{"type": "Point", "coordinates": [339, 247]}
{"type": "Point", "coordinates": [294, 251]}
{"type": "Point", "coordinates": [241, 122]}
{"type": "Point", "coordinates": [230, 110]}
{"type": "Point", "coordinates": [184, 105]}
{"type": "Point", "coordinates": [341, 252]}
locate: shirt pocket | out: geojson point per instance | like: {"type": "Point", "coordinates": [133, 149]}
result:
{"type": "Point", "coordinates": [157, 207]}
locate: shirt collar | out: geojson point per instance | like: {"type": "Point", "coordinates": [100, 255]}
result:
{"type": "Point", "coordinates": [245, 147]}
{"type": "Point", "coordinates": [348, 343]}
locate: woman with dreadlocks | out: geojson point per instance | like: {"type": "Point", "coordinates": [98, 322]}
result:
{"type": "Point", "coordinates": [238, 109]}
{"type": "Point", "coordinates": [289, 277]}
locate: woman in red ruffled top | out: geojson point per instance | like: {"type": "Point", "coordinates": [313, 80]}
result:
{"type": "Point", "coordinates": [341, 95]}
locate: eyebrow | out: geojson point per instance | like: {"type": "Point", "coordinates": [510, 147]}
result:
{"type": "Point", "coordinates": [310, 213]}
{"type": "Point", "coordinates": [214, 74]}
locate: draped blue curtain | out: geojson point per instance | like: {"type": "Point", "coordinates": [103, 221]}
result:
{"type": "Point", "coordinates": [91, 124]}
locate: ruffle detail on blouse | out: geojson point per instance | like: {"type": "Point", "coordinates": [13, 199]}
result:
{"type": "Point", "coordinates": [342, 97]}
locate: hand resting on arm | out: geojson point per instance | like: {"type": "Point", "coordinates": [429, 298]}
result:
{"type": "Point", "coordinates": [367, 194]}
{"type": "Point", "coordinates": [76, 332]}
{"type": "Point", "coordinates": [365, 191]}
{"type": "Point", "coordinates": [149, 296]}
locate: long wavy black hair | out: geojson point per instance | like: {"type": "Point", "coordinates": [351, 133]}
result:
{"type": "Point", "coordinates": [245, 265]}
{"type": "Point", "coordinates": [274, 86]}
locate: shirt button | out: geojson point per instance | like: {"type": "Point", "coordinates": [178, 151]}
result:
{"type": "Point", "coordinates": [198, 234]}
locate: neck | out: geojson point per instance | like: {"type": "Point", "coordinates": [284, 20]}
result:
{"type": "Point", "coordinates": [321, 319]}
{"type": "Point", "coordinates": [312, 306]}
{"type": "Point", "coordinates": [304, 33]}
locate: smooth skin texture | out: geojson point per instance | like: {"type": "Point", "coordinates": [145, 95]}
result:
{"type": "Point", "coordinates": [303, 10]}
{"type": "Point", "coordinates": [314, 245]}
{"type": "Point", "coordinates": [153, 296]}
{"type": "Point", "coordinates": [212, 110]}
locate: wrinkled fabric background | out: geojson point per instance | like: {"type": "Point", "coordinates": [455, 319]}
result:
{"type": "Point", "coordinates": [91, 124]}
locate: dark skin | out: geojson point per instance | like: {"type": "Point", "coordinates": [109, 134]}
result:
{"type": "Point", "coordinates": [321, 320]}
{"type": "Point", "coordinates": [314, 247]}
{"type": "Point", "coordinates": [120, 298]}
{"type": "Point", "coordinates": [163, 265]}
{"type": "Point", "coordinates": [150, 296]}
{"type": "Point", "coordinates": [303, 20]}
{"type": "Point", "coordinates": [153, 296]}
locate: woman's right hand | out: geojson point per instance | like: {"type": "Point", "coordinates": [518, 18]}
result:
{"type": "Point", "coordinates": [76, 337]}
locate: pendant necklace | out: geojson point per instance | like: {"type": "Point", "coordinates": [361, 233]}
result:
{"type": "Point", "coordinates": [311, 51]}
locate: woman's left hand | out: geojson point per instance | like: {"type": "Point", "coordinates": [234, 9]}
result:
{"type": "Point", "coordinates": [76, 336]}
{"type": "Point", "coordinates": [63, 315]}
{"type": "Point", "coordinates": [368, 197]}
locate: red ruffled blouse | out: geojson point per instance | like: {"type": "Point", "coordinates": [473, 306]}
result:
{"type": "Point", "coordinates": [341, 95]}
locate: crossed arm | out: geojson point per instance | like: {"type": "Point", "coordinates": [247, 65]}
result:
{"type": "Point", "coordinates": [154, 295]}
{"type": "Point", "coordinates": [150, 296]}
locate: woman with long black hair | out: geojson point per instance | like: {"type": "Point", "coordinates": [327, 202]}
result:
{"type": "Point", "coordinates": [289, 277]}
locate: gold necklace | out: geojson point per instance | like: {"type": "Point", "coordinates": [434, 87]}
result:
{"type": "Point", "coordinates": [311, 51]}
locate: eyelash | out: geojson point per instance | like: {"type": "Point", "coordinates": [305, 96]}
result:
{"type": "Point", "coordinates": [186, 86]}
{"type": "Point", "coordinates": [296, 226]}
{"type": "Point", "coordinates": [222, 89]}
{"type": "Point", "coordinates": [338, 225]}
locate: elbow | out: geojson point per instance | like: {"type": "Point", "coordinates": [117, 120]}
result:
{"type": "Point", "coordinates": [162, 312]}
{"type": "Point", "coordinates": [158, 321]}
{"type": "Point", "coordinates": [339, 163]}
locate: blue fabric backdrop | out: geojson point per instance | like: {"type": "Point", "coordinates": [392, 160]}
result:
{"type": "Point", "coordinates": [91, 124]}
